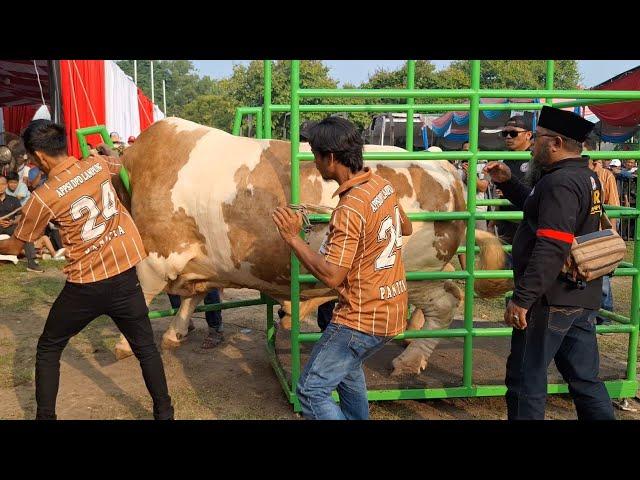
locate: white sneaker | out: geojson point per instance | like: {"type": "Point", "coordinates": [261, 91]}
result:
{"type": "Point", "coordinates": [60, 254]}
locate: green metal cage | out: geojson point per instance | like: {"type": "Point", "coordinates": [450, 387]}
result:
{"type": "Point", "coordinates": [624, 325]}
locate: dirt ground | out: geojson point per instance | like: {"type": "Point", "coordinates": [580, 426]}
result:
{"type": "Point", "coordinates": [234, 381]}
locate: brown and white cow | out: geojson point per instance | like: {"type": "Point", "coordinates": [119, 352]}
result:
{"type": "Point", "coordinates": [202, 200]}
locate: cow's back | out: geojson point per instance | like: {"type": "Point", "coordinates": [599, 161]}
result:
{"type": "Point", "coordinates": [203, 199]}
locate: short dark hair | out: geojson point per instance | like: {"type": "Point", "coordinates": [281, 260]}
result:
{"type": "Point", "coordinates": [339, 136]}
{"type": "Point", "coordinates": [13, 176]}
{"type": "Point", "coordinates": [45, 136]}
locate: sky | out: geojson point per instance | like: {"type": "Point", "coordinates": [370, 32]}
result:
{"type": "Point", "coordinates": [356, 71]}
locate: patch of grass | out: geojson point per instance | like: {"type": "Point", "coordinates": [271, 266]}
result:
{"type": "Point", "coordinates": [21, 290]}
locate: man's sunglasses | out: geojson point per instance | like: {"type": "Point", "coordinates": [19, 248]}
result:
{"type": "Point", "coordinates": [511, 133]}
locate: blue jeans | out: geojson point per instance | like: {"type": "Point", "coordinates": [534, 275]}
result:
{"type": "Point", "coordinates": [607, 298]}
{"type": "Point", "coordinates": [568, 336]}
{"type": "Point", "coordinates": [336, 364]}
{"type": "Point", "coordinates": [214, 319]}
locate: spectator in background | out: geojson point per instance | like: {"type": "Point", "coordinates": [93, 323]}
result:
{"type": "Point", "coordinates": [17, 189]}
{"type": "Point", "coordinates": [610, 197]}
{"type": "Point", "coordinates": [36, 178]}
{"type": "Point", "coordinates": [118, 144]}
{"type": "Point", "coordinates": [517, 136]}
{"type": "Point", "coordinates": [131, 140]}
{"type": "Point", "coordinates": [9, 218]}
{"type": "Point", "coordinates": [213, 318]}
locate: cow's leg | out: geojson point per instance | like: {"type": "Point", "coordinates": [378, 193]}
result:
{"type": "Point", "coordinates": [306, 307]}
{"type": "Point", "coordinates": [179, 328]}
{"type": "Point", "coordinates": [436, 303]}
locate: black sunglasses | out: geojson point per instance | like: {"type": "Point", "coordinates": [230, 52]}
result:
{"type": "Point", "coordinates": [511, 133]}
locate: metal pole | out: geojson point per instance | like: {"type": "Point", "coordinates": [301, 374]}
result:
{"type": "Point", "coordinates": [153, 100]}
{"type": "Point", "coordinates": [295, 199]}
{"type": "Point", "coordinates": [164, 96]}
{"type": "Point", "coordinates": [135, 72]}
{"type": "Point", "coordinates": [474, 118]}
{"type": "Point", "coordinates": [549, 80]}
{"type": "Point", "coordinates": [266, 116]}
{"type": "Point", "coordinates": [635, 302]}
{"type": "Point", "coordinates": [411, 83]}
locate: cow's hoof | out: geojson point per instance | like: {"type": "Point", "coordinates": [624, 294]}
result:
{"type": "Point", "coordinates": [123, 351]}
{"type": "Point", "coordinates": [401, 367]}
{"type": "Point", "coordinates": [172, 339]}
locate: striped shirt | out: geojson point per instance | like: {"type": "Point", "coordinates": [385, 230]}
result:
{"type": "Point", "coordinates": [97, 231]}
{"type": "Point", "coordinates": [365, 236]}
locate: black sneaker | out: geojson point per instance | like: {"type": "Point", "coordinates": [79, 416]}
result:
{"type": "Point", "coordinates": [35, 268]}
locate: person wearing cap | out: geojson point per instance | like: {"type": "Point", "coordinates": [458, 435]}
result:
{"type": "Point", "coordinates": [553, 318]}
{"type": "Point", "coordinates": [610, 196]}
{"type": "Point", "coordinates": [517, 137]}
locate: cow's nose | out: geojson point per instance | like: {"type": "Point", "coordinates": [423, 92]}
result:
{"type": "Point", "coordinates": [281, 313]}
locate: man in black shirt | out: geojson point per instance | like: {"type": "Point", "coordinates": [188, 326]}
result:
{"type": "Point", "coordinates": [553, 317]}
{"type": "Point", "coordinates": [517, 138]}
{"type": "Point", "coordinates": [9, 217]}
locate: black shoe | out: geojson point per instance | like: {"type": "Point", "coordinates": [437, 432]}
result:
{"type": "Point", "coordinates": [34, 267]}
{"type": "Point", "coordinates": [603, 321]}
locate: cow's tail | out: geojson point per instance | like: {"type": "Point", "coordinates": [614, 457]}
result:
{"type": "Point", "coordinates": [492, 257]}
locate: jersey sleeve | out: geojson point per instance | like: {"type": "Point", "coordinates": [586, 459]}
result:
{"type": "Point", "coordinates": [35, 217]}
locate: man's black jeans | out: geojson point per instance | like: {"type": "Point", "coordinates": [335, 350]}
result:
{"type": "Point", "coordinates": [121, 298]}
{"type": "Point", "coordinates": [566, 335]}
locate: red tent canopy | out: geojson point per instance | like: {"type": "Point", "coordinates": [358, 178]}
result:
{"type": "Point", "coordinates": [620, 114]}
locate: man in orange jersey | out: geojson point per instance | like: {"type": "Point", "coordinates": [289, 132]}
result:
{"type": "Point", "coordinates": [103, 247]}
{"type": "Point", "coordinates": [361, 259]}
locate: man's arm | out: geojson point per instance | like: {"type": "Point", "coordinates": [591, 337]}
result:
{"type": "Point", "coordinates": [511, 188]}
{"type": "Point", "coordinates": [110, 157]}
{"type": "Point", "coordinates": [289, 225]}
{"type": "Point", "coordinates": [558, 211]}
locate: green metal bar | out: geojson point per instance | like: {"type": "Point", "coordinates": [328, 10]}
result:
{"type": "Point", "coordinates": [411, 85]}
{"type": "Point", "coordinates": [494, 202]}
{"type": "Point", "coordinates": [633, 154]}
{"type": "Point", "coordinates": [506, 248]}
{"type": "Point", "coordinates": [467, 93]}
{"type": "Point", "coordinates": [616, 389]}
{"type": "Point", "coordinates": [281, 374]}
{"type": "Point", "coordinates": [431, 107]}
{"type": "Point", "coordinates": [632, 352]}
{"type": "Point", "coordinates": [614, 316]}
{"type": "Point", "coordinates": [549, 79]}
{"type": "Point", "coordinates": [82, 134]}
{"type": "Point", "coordinates": [208, 308]}
{"type": "Point", "coordinates": [124, 176]}
{"type": "Point", "coordinates": [267, 99]}
{"type": "Point", "coordinates": [259, 125]}
{"type": "Point", "coordinates": [474, 118]}
{"type": "Point", "coordinates": [295, 199]}
{"type": "Point", "coordinates": [550, 93]}
{"type": "Point", "coordinates": [237, 122]}
{"type": "Point", "coordinates": [441, 216]}
{"type": "Point", "coordinates": [626, 272]}
{"type": "Point", "coordinates": [382, 93]}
